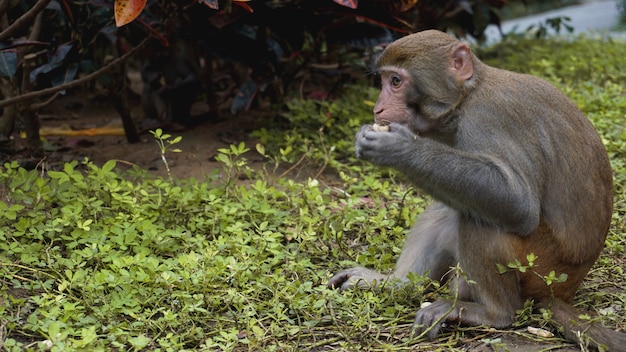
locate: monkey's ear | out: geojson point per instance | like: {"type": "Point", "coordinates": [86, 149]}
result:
{"type": "Point", "coordinates": [462, 65]}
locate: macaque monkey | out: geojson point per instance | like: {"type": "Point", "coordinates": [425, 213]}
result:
{"type": "Point", "coordinates": [515, 168]}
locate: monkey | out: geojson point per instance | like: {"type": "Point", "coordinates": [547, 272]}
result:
{"type": "Point", "coordinates": [513, 167]}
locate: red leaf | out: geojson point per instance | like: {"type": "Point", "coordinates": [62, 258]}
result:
{"type": "Point", "coordinates": [243, 6]}
{"type": "Point", "coordinates": [127, 10]}
{"type": "Point", "coordinates": [353, 4]}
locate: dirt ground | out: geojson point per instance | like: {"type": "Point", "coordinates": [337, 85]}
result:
{"type": "Point", "coordinates": [82, 126]}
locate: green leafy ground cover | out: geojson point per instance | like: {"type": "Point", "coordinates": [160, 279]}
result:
{"type": "Point", "coordinates": [93, 258]}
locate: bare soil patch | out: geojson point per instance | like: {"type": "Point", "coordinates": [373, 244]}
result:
{"type": "Point", "coordinates": [82, 126]}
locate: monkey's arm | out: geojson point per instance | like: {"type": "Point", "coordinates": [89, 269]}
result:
{"type": "Point", "coordinates": [477, 185]}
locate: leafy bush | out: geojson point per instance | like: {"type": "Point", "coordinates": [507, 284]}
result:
{"type": "Point", "coordinates": [94, 258]}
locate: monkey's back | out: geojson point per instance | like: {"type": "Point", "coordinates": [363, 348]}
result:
{"type": "Point", "coordinates": [543, 135]}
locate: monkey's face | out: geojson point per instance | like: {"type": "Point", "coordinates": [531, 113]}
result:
{"type": "Point", "coordinates": [391, 106]}
{"type": "Point", "coordinates": [399, 102]}
{"type": "Point", "coordinates": [424, 77]}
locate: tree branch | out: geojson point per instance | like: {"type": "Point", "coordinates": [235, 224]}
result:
{"type": "Point", "coordinates": [25, 19]}
{"type": "Point", "coordinates": [72, 84]}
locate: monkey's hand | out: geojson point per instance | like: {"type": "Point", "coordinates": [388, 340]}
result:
{"type": "Point", "coordinates": [431, 318]}
{"type": "Point", "coordinates": [358, 276]}
{"type": "Point", "coordinates": [384, 147]}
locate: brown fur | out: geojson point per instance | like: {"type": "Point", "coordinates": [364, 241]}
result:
{"type": "Point", "coordinates": [516, 169]}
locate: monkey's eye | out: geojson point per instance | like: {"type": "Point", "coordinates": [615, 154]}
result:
{"type": "Point", "coordinates": [395, 81]}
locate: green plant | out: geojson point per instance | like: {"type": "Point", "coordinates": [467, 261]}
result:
{"type": "Point", "coordinates": [235, 164]}
{"type": "Point", "coordinates": [516, 265]}
{"type": "Point", "coordinates": [97, 260]}
{"type": "Point", "coordinates": [165, 144]}
{"type": "Point", "coordinates": [320, 133]}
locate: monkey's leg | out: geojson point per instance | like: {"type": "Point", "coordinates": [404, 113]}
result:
{"type": "Point", "coordinates": [429, 248]}
{"type": "Point", "coordinates": [494, 297]}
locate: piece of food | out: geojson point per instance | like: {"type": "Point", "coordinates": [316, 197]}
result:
{"type": "Point", "coordinates": [380, 128]}
{"type": "Point", "coordinates": [539, 332]}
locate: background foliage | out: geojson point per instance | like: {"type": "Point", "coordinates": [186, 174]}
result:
{"type": "Point", "coordinates": [258, 47]}
{"type": "Point", "coordinates": [95, 259]}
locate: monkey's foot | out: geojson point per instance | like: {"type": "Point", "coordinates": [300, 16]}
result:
{"type": "Point", "coordinates": [431, 317]}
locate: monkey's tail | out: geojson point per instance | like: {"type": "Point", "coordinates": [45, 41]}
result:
{"type": "Point", "coordinates": [583, 332]}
